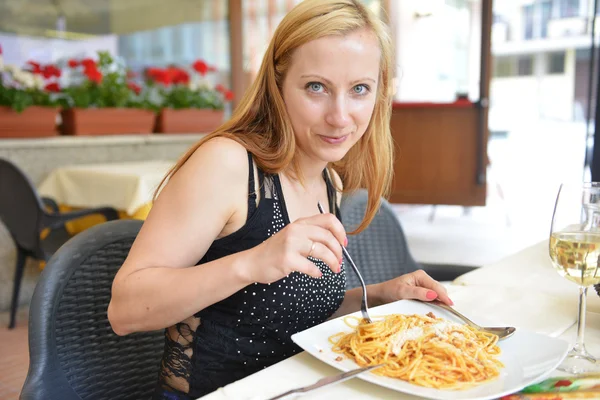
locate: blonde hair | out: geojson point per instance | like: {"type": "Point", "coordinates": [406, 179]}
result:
{"type": "Point", "coordinates": [261, 124]}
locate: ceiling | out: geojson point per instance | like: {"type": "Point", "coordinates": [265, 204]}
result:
{"type": "Point", "coordinates": [99, 17]}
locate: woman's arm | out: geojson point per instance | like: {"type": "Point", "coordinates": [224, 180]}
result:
{"type": "Point", "coordinates": [159, 283]}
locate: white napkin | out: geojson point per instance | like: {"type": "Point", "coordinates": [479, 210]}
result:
{"type": "Point", "coordinates": [499, 306]}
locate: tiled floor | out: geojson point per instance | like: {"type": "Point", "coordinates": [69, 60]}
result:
{"type": "Point", "coordinates": [14, 356]}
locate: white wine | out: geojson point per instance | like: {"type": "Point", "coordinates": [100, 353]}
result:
{"type": "Point", "coordinates": [575, 256]}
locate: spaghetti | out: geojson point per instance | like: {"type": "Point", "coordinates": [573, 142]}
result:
{"type": "Point", "coordinates": [422, 349]}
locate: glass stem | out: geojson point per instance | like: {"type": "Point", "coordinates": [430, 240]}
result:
{"type": "Point", "coordinates": [580, 346]}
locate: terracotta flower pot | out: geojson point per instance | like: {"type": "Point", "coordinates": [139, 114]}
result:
{"type": "Point", "coordinates": [107, 121]}
{"type": "Point", "coordinates": [33, 122]}
{"type": "Point", "coordinates": [190, 120]}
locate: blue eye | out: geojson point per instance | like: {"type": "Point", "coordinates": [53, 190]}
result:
{"type": "Point", "coordinates": [315, 87]}
{"type": "Point", "coordinates": [360, 89]}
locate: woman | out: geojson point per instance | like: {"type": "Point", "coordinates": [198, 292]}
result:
{"type": "Point", "coordinates": [243, 201]}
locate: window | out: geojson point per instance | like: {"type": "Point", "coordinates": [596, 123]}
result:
{"type": "Point", "coordinates": [528, 21]}
{"type": "Point", "coordinates": [503, 67]}
{"type": "Point", "coordinates": [545, 17]}
{"type": "Point", "coordinates": [525, 65]}
{"type": "Point", "coordinates": [438, 50]}
{"type": "Point", "coordinates": [536, 17]}
{"type": "Point", "coordinates": [139, 34]}
{"type": "Point", "coordinates": [567, 8]}
{"type": "Point", "coordinates": [556, 63]}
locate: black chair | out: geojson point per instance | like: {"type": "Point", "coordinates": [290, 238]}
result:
{"type": "Point", "coordinates": [26, 215]}
{"type": "Point", "coordinates": [73, 352]}
{"type": "Point", "coordinates": [381, 251]}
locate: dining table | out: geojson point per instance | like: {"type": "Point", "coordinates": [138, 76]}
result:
{"type": "Point", "coordinates": [126, 186]}
{"type": "Point", "coordinates": [522, 290]}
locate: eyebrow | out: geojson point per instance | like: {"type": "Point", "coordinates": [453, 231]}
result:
{"type": "Point", "coordinates": [330, 83]}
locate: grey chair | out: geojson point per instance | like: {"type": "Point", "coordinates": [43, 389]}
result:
{"type": "Point", "coordinates": [381, 250]}
{"type": "Point", "coordinates": [74, 354]}
{"type": "Point", "coordinates": [26, 215]}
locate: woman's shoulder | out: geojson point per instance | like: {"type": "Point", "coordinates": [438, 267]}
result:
{"type": "Point", "coordinates": [220, 155]}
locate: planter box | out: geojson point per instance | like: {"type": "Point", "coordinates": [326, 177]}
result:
{"type": "Point", "coordinates": [33, 122]}
{"type": "Point", "coordinates": [191, 120]}
{"type": "Point", "coordinates": [106, 121]}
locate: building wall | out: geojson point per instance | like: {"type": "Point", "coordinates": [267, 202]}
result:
{"type": "Point", "coordinates": [541, 95]}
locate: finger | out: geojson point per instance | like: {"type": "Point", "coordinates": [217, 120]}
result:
{"type": "Point", "coordinates": [307, 267]}
{"type": "Point", "coordinates": [422, 279]}
{"type": "Point", "coordinates": [326, 238]}
{"type": "Point", "coordinates": [330, 222]}
{"type": "Point", "coordinates": [323, 253]}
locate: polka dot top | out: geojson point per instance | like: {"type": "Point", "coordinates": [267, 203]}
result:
{"type": "Point", "coordinates": [251, 329]}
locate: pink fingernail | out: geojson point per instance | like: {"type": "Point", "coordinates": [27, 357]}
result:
{"type": "Point", "coordinates": [451, 302]}
{"type": "Point", "coordinates": [345, 242]}
{"type": "Point", "coordinates": [341, 261]}
{"type": "Point", "coordinates": [431, 295]}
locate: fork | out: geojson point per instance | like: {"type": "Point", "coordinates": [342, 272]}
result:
{"type": "Point", "coordinates": [364, 309]}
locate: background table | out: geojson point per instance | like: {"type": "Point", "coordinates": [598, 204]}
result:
{"type": "Point", "coordinates": [126, 186]}
{"type": "Point", "coordinates": [522, 290]}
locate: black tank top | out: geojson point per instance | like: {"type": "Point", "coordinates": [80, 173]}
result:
{"type": "Point", "coordinates": [251, 329]}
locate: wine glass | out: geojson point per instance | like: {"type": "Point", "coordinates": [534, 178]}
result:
{"type": "Point", "coordinates": [574, 250]}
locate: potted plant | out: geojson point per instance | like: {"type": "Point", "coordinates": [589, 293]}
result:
{"type": "Point", "coordinates": [28, 107]}
{"type": "Point", "coordinates": [101, 100]}
{"type": "Point", "coordinates": [189, 104]}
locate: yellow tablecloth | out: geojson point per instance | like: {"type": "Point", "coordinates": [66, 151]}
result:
{"type": "Point", "coordinates": [126, 186]}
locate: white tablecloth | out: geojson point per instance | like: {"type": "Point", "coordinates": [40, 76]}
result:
{"type": "Point", "coordinates": [126, 186]}
{"type": "Point", "coordinates": [522, 290]}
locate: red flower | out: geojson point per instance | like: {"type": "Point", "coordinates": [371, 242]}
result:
{"type": "Point", "coordinates": [52, 87]}
{"type": "Point", "coordinates": [134, 87]}
{"type": "Point", "coordinates": [228, 95]}
{"type": "Point", "coordinates": [220, 88]}
{"type": "Point", "coordinates": [151, 72]}
{"type": "Point", "coordinates": [200, 67]}
{"type": "Point", "coordinates": [93, 74]}
{"type": "Point", "coordinates": [0, 50]}
{"type": "Point", "coordinates": [37, 69]}
{"type": "Point", "coordinates": [51, 70]}
{"type": "Point", "coordinates": [159, 75]}
{"type": "Point", "coordinates": [88, 63]}
{"type": "Point", "coordinates": [73, 63]}
{"type": "Point", "coordinates": [178, 75]}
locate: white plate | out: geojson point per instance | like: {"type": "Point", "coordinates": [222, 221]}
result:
{"type": "Point", "coordinates": [528, 357]}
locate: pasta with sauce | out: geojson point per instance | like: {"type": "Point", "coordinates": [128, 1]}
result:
{"type": "Point", "coordinates": [422, 349]}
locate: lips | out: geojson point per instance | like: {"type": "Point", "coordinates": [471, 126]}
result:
{"type": "Point", "coordinates": [334, 139]}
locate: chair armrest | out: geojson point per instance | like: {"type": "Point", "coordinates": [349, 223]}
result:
{"type": "Point", "coordinates": [57, 220]}
{"type": "Point", "coordinates": [50, 203]}
{"type": "Point", "coordinates": [446, 272]}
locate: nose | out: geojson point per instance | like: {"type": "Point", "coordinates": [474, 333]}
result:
{"type": "Point", "coordinates": [338, 115]}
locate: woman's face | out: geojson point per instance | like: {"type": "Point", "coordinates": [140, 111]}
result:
{"type": "Point", "coordinates": [330, 91]}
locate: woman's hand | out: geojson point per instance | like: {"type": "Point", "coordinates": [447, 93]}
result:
{"type": "Point", "coordinates": [415, 285]}
{"type": "Point", "coordinates": [320, 236]}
